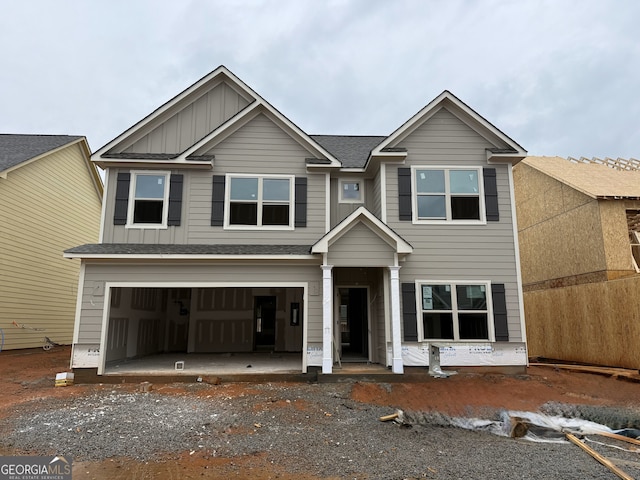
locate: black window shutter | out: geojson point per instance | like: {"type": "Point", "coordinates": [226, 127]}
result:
{"type": "Point", "coordinates": [217, 201]}
{"type": "Point", "coordinates": [175, 200]}
{"type": "Point", "coordinates": [122, 198]}
{"type": "Point", "coordinates": [491, 194]}
{"type": "Point", "coordinates": [409, 317]}
{"type": "Point", "coordinates": [500, 312]}
{"type": "Point", "coordinates": [404, 193]}
{"type": "Point", "coordinates": [301, 202]}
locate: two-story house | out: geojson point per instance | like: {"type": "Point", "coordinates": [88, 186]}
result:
{"type": "Point", "coordinates": [226, 228]}
{"type": "Point", "coordinates": [50, 197]}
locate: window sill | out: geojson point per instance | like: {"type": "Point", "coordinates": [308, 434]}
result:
{"type": "Point", "coordinates": [146, 226]}
{"type": "Point", "coordinates": [449, 222]}
{"type": "Point", "coordinates": [253, 228]}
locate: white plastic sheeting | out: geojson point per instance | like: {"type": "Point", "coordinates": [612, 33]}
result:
{"type": "Point", "coordinates": [541, 428]}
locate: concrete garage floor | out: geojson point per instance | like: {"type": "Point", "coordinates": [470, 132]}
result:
{"type": "Point", "coordinates": [209, 364]}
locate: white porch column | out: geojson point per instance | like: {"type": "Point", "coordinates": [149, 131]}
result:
{"type": "Point", "coordinates": [396, 341]}
{"type": "Point", "coordinates": [327, 319]}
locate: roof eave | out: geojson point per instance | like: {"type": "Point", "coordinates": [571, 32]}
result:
{"type": "Point", "coordinates": [511, 157]}
{"type": "Point", "coordinates": [171, 256]}
{"type": "Point", "coordinates": [139, 163]}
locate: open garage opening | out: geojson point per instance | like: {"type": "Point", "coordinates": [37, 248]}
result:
{"type": "Point", "coordinates": [212, 329]}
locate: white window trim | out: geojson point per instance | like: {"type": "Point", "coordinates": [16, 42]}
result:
{"type": "Point", "coordinates": [227, 202]}
{"type": "Point", "coordinates": [456, 331]}
{"type": "Point", "coordinates": [448, 220]}
{"type": "Point", "coordinates": [359, 181]}
{"type": "Point", "coordinates": [165, 200]}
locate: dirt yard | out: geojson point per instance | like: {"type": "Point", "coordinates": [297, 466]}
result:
{"type": "Point", "coordinates": [28, 382]}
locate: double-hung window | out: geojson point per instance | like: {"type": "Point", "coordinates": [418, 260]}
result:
{"type": "Point", "coordinates": [148, 199]}
{"type": "Point", "coordinates": [455, 310]}
{"type": "Point", "coordinates": [447, 194]}
{"type": "Point", "coordinates": [260, 201]}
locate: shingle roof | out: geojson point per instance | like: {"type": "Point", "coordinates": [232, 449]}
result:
{"type": "Point", "coordinates": [190, 249]}
{"type": "Point", "coordinates": [593, 179]}
{"type": "Point", "coordinates": [15, 149]}
{"type": "Point", "coordinates": [352, 151]}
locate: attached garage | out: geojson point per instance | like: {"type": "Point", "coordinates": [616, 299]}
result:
{"type": "Point", "coordinates": [144, 321]}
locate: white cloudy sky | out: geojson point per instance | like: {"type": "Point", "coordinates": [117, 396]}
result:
{"type": "Point", "coordinates": [560, 77]}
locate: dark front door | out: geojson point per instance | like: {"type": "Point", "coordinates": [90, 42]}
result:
{"type": "Point", "coordinates": [265, 322]}
{"type": "Point", "coordinates": [354, 332]}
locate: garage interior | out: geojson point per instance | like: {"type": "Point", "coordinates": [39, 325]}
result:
{"type": "Point", "coordinates": [204, 330]}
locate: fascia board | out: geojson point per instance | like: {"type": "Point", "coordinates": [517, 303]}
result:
{"type": "Point", "coordinates": [132, 163]}
{"type": "Point", "coordinates": [93, 170]}
{"type": "Point", "coordinates": [512, 158]}
{"type": "Point", "coordinates": [158, 256]}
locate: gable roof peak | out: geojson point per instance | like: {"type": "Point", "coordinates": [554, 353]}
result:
{"type": "Point", "coordinates": [253, 104]}
{"type": "Point", "coordinates": [469, 116]}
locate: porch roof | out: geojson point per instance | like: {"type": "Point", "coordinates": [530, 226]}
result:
{"type": "Point", "coordinates": [106, 250]}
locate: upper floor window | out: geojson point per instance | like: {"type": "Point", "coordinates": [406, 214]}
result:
{"type": "Point", "coordinates": [454, 311]}
{"type": "Point", "coordinates": [260, 201]}
{"type": "Point", "coordinates": [149, 195]}
{"type": "Point", "coordinates": [447, 194]}
{"type": "Point", "coordinates": [351, 191]}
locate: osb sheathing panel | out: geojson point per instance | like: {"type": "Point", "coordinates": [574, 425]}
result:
{"type": "Point", "coordinates": [569, 243]}
{"type": "Point", "coordinates": [559, 228]}
{"type": "Point", "coordinates": [616, 235]}
{"type": "Point", "coordinates": [533, 191]}
{"type": "Point", "coordinates": [596, 323]}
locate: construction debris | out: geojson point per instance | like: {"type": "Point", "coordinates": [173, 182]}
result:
{"type": "Point", "coordinates": [603, 460]}
{"type": "Point", "coordinates": [64, 379]}
{"type": "Point", "coordinates": [388, 418]}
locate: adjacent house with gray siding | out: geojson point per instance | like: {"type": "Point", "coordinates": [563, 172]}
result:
{"type": "Point", "coordinates": [227, 229]}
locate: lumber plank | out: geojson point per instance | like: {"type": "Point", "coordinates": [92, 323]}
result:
{"type": "Point", "coordinates": [603, 460]}
{"type": "Point", "coordinates": [620, 437]}
{"type": "Point", "coordinates": [611, 371]}
{"type": "Point", "coordinates": [387, 418]}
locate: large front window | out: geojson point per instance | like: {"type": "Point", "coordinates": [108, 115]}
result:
{"type": "Point", "coordinates": [262, 201]}
{"type": "Point", "coordinates": [454, 311]}
{"type": "Point", "coordinates": [447, 194]}
{"type": "Point", "coordinates": [149, 197]}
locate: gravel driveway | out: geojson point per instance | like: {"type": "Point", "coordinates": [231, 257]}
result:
{"type": "Point", "coordinates": [312, 429]}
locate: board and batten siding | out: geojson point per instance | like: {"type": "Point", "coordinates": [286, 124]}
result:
{"type": "Point", "coordinates": [201, 275]}
{"type": "Point", "coordinates": [259, 147]}
{"type": "Point", "coordinates": [192, 123]}
{"type": "Point", "coordinates": [46, 207]}
{"type": "Point", "coordinates": [449, 251]}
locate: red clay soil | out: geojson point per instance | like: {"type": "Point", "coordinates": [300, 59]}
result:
{"type": "Point", "coordinates": [30, 374]}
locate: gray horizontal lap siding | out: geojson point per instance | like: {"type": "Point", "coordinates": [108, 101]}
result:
{"type": "Point", "coordinates": [260, 147]}
{"type": "Point", "coordinates": [457, 252]}
{"type": "Point", "coordinates": [360, 247]}
{"type": "Point", "coordinates": [96, 275]}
